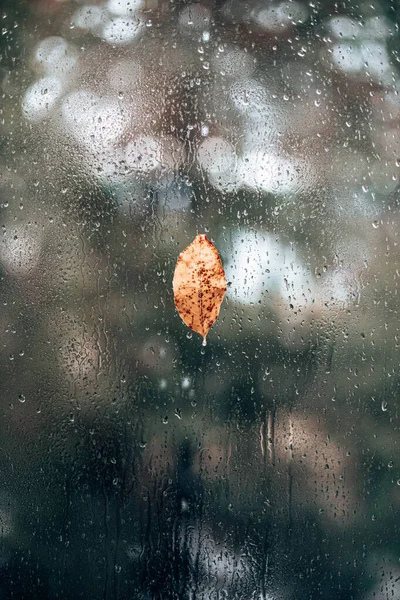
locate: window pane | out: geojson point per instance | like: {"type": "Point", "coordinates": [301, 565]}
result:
{"type": "Point", "coordinates": [136, 462]}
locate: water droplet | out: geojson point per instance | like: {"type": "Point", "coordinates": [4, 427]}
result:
{"type": "Point", "coordinates": [21, 398]}
{"type": "Point", "coordinates": [390, 464]}
{"type": "Point", "coordinates": [204, 343]}
{"type": "Point", "coordinates": [189, 335]}
{"type": "Point", "coordinates": [375, 224]}
{"type": "Point", "coordinates": [117, 568]}
{"type": "Point", "coordinates": [384, 405]}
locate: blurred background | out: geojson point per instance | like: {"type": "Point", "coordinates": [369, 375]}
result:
{"type": "Point", "coordinates": [134, 463]}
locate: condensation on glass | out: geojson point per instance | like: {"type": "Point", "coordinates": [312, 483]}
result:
{"type": "Point", "coordinates": [136, 464]}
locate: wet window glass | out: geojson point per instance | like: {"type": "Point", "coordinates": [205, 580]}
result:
{"type": "Point", "coordinates": [137, 462]}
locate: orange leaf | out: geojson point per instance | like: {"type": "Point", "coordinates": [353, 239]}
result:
{"type": "Point", "coordinates": [199, 285]}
